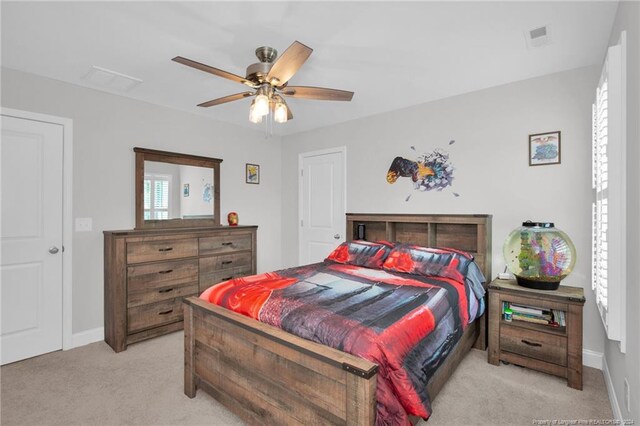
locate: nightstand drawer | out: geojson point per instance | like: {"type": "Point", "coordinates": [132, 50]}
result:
{"type": "Point", "coordinates": [533, 344]}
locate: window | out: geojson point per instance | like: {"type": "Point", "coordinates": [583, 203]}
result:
{"type": "Point", "coordinates": [156, 197]}
{"type": "Point", "coordinates": [609, 205]}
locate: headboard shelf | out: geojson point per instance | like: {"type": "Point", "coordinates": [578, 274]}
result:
{"type": "Point", "coordinates": [468, 232]}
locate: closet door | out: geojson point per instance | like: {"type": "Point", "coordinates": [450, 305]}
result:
{"type": "Point", "coordinates": [322, 204]}
{"type": "Point", "coordinates": [31, 238]}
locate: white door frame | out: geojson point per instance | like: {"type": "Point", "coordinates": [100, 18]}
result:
{"type": "Point", "coordinates": [303, 155]}
{"type": "Point", "coordinates": [67, 209]}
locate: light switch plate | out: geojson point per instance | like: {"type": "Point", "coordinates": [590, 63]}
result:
{"type": "Point", "coordinates": [84, 224]}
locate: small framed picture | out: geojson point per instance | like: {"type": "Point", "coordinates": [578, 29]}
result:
{"type": "Point", "coordinates": [253, 173]}
{"type": "Point", "coordinates": [185, 190]}
{"type": "Point", "coordinates": [544, 149]}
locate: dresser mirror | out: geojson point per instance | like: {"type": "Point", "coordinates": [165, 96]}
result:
{"type": "Point", "coordinates": [176, 190]}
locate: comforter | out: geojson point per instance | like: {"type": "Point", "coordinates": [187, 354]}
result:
{"type": "Point", "coordinates": [405, 323]}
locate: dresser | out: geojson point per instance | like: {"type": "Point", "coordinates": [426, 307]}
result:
{"type": "Point", "coordinates": [147, 273]}
{"type": "Point", "coordinates": [555, 349]}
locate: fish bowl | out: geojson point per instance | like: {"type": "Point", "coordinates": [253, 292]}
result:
{"type": "Point", "coordinates": [539, 255]}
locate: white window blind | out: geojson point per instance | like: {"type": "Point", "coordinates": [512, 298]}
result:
{"type": "Point", "coordinates": [609, 205]}
{"type": "Point", "coordinates": [156, 197]}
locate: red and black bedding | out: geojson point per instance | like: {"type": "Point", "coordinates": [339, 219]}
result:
{"type": "Point", "coordinates": [402, 307]}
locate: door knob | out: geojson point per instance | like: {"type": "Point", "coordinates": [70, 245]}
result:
{"type": "Point", "coordinates": [53, 250]}
{"type": "Point", "coordinates": [337, 236]}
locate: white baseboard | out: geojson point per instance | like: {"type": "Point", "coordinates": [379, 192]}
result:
{"type": "Point", "coordinates": [592, 359]}
{"type": "Point", "coordinates": [615, 407]}
{"type": "Point", "coordinates": [86, 337]}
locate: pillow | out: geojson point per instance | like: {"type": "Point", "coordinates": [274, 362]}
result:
{"type": "Point", "coordinates": [361, 253]}
{"type": "Point", "coordinates": [440, 262]}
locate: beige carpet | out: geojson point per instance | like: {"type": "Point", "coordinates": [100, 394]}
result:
{"type": "Point", "coordinates": [92, 385]}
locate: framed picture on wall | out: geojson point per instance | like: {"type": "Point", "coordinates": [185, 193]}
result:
{"type": "Point", "coordinates": [185, 190]}
{"type": "Point", "coordinates": [252, 173]}
{"type": "Point", "coordinates": [544, 148]}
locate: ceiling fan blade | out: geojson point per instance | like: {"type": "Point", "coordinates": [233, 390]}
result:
{"type": "Point", "coordinates": [318, 93]}
{"type": "Point", "coordinates": [212, 70]}
{"type": "Point", "coordinates": [288, 63]}
{"type": "Point", "coordinates": [226, 99]}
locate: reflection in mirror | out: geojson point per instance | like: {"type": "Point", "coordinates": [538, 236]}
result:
{"type": "Point", "coordinates": [173, 191]}
{"type": "Point", "coordinates": [176, 190]}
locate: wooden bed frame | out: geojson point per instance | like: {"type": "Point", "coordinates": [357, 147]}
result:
{"type": "Point", "coordinates": [268, 376]}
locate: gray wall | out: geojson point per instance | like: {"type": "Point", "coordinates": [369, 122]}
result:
{"type": "Point", "coordinates": [106, 128]}
{"type": "Point", "coordinates": [627, 365]}
{"type": "Point", "coordinates": [490, 153]}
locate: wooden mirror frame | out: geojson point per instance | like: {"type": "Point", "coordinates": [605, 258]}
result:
{"type": "Point", "coordinates": [142, 155]}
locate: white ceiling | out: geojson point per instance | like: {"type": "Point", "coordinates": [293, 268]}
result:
{"type": "Point", "coordinates": [391, 54]}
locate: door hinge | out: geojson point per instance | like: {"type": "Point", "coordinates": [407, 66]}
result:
{"type": "Point", "coordinates": [301, 172]}
{"type": "Point", "coordinates": [301, 222]}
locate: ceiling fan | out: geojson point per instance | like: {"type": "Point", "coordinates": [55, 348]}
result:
{"type": "Point", "coordinates": [269, 80]}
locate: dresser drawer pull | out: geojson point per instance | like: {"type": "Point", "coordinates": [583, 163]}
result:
{"type": "Point", "coordinates": [227, 244]}
{"type": "Point", "coordinates": [165, 249]}
{"type": "Point", "coordinates": [227, 278]}
{"type": "Point", "coordinates": [526, 342]}
{"type": "Point", "coordinates": [168, 271]}
{"type": "Point", "coordinates": [227, 262]}
{"type": "Point", "coordinates": [166, 290]}
{"type": "Point", "coordinates": [165, 312]}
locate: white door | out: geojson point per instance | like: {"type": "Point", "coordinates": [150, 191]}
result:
{"type": "Point", "coordinates": [322, 203]}
{"type": "Point", "coordinates": [31, 154]}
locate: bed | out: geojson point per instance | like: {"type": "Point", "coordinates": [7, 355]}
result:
{"type": "Point", "coordinates": [269, 376]}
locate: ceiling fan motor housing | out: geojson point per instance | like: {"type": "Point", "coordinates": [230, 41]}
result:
{"type": "Point", "coordinates": [258, 71]}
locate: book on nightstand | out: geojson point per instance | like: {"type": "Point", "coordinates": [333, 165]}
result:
{"type": "Point", "coordinates": [551, 318]}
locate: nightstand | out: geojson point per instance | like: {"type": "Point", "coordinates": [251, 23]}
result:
{"type": "Point", "coordinates": [554, 350]}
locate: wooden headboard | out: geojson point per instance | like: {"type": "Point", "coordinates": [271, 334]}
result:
{"type": "Point", "coordinates": [468, 232]}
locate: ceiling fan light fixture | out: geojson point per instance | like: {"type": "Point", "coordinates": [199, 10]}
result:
{"type": "Point", "coordinates": [261, 106]}
{"type": "Point", "coordinates": [254, 117]}
{"type": "Point", "coordinates": [262, 101]}
{"type": "Point", "coordinates": [280, 113]}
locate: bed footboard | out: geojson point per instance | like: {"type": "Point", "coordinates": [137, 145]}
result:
{"type": "Point", "coordinates": [265, 375]}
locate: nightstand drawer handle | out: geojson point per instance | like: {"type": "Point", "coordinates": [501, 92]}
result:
{"type": "Point", "coordinates": [165, 312]}
{"type": "Point", "coordinates": [166, 290]}
{"type": "Point", "coordinates": [526, 342]}
{"type": "Point", "coordinates": [227, 262]}
{"type": "Point", "coordinates": [168, 271]}
{"type": "Point", "coordinates": [165, 249]}
{"type": "Point", "coordinates": [227, 244]}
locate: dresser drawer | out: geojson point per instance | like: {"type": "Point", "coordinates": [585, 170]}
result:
{"type": "Point", "coordinates": [161, 275]}
{"type": "Point", "coordinates": [153, 315]}
{"type": "Point", "coordinates": [144, 297]}
{"type": "Point", "coordinates": [534, 344]}
{"type": "Point", "coordinates": [211, 277]}
{"type": "Point", "coordinates": [225, 243]}
{"type": "Point", "coordinates": [226, 261]}
{"type": "Point", "coordinates": [150, 251]}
